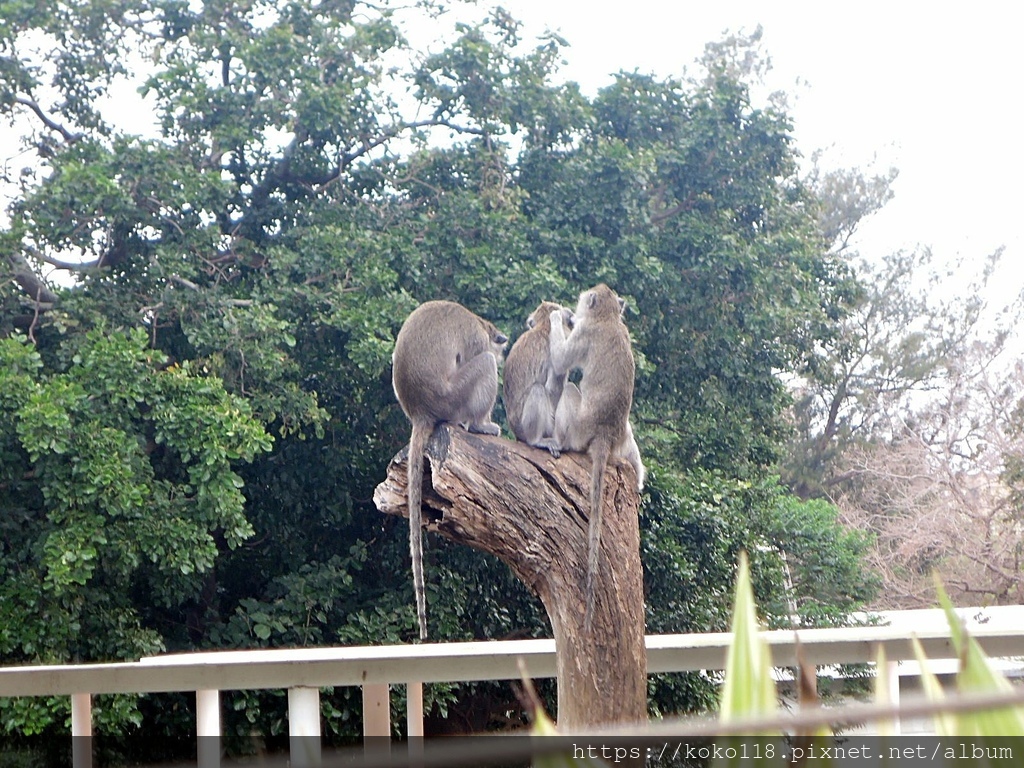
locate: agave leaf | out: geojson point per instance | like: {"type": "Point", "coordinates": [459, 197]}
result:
{"type": "Point", "coordinates": [976, 675]}
{"type": "Point", "coordinates": [882, 693]}
{"type": "Point", "coordinates": [748, 689]}
{"type": "Point", "coordinates": [542, 726]}
{"type": "Point", "coordinates": [945, 723]}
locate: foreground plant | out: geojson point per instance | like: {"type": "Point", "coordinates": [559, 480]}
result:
{"type": "Point", "coordinates": [749, 692]}
{"type": "Point", "coordinates": [975, 675]}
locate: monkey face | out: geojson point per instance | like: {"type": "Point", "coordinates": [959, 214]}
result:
{"type": "Point", "coordinates": [497, 339]}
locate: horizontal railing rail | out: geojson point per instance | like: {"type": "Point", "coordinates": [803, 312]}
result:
{"type": "Point", "coordinates": [460, 662]}
{"type": "Point", "coordinates": [303, 671]}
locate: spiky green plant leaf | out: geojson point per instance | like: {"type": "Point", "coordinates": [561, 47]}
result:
{"type": "Point", "coordinates": [749, 688]}
{"type": "Point", "coordinates": [542, 726]}
{"type": "Point", "coordinates": [945, 723]}
{"type": "Point", "coordinates": [976, 675]}
{"type": "Point", "coordinates": [883, 695]}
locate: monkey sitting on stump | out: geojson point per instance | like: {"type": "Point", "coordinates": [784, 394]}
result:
{"type": "Point", "coordinates": [594, 417]}
{"type": "Point", "coordinates": [444, 369]}
{"type": "Point", "coordinates": [532, 390]}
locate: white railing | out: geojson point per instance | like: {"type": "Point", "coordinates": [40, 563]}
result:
{"type": "Point", "coordinates": [302, 672]}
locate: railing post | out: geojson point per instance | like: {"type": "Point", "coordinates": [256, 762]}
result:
{"type": "Point", "coordinates": [894, 691]}
{"type": "Point", "coordinates": [414, 721]}
{"type": "Point", "coordinates": [304, 727]}
{"type": "Point", "coordinates": [414, 709]}
{"type": "Point", "coordinates": [81, 730]}
{"type": "Point", "coordinates": [208, 728]}
{"type": "Point", "coordinates": [376, 710]}
{"type": "Point", "coordinates": [376, 718]}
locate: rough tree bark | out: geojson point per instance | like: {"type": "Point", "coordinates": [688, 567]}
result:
{"type": "Point", "coordinates": [531, 511]}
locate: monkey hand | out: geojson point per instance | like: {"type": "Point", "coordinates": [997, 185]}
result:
{"type": "Point", "coordinates": [550, 445]}
{"type": "Point", "coordinates": [487, 428]}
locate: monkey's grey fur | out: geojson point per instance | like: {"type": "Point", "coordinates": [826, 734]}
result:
{"type": "Point", "coordinates": [532, 390]}
{"type": "Point", "coordinates": [594, 417]}
{"type": "Point", "coordinates": [444, 369]}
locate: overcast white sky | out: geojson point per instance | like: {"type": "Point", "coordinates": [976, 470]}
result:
{"type": "Point", "coordinates": [931, 88]}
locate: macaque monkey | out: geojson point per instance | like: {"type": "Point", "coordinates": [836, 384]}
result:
{"type": "Point", "coordinates": [532, 390]}
{"type": "Point", "coordinates": [444, 369]}
{"type": "Point", "coordinates": [594, 417]}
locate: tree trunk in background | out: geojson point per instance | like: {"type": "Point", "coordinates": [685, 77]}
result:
{"type": "Point", "coordinates": [531, 511]}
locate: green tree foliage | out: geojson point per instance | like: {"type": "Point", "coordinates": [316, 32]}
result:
{"type": "Point", "coordinates": [309, 179]}
{"type": "Point", "coordinates": [116, 470]}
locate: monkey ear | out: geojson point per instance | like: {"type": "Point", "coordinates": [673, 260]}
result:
{"type": "Point", "coordinates": [622, 305]}
{"type": "Point", "coordinates": [592, 299]}
{"type": "Point", "coordinates": [530, 322]}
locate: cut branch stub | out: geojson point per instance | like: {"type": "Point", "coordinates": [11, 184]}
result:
{"type": "Point", "coordinates": [531, 511]}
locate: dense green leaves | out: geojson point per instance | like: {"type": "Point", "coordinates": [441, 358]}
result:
{"type": "Point", "coordinates": [128, 457]}
{"type": "Point", "coordinates": [116, 470]}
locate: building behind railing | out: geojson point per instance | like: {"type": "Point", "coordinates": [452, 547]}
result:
{"type": "Point", "coordinates": [378, 670]}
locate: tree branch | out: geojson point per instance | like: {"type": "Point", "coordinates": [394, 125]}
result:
{"type": "Point", "coordinates": [531, 511]}
{"type": "Point", "coordinates": [369, 145]}
{"type": "Point", "coordinates": [71, 266]}
{"type": "Point", "coordinates": [183, 282]}
{"type": "Point", "coordinates": [661, 213]}
{"type": "Point", "coordinates": [281, 171]}
{"type": "Point", "coordinates": [30, 282]}
{"type": "Point", "coordinates": [69, 137]}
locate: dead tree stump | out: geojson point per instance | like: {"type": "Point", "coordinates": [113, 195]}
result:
{"type": "Point", "coordinates": [531, 511]}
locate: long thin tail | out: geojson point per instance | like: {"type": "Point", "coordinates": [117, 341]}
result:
{"type": "Point", "coordinates": [417, 447]}
{"type": "Point", "coordinates": [599, 451]}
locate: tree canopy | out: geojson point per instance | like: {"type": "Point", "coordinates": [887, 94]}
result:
{"type": "Point", "coordinates": [203, 412]}
{"type": "Point", "coordinates": [910, 417]}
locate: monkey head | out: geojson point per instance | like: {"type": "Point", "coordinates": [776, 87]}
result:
{"type": "Point", "coordinates": [600, 302]}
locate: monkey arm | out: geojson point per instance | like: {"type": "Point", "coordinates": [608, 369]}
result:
{"type": "Point", "coordinates": [553, 386]}
{"type": "Point", "coordinates": [470, 395]}
{"type": "Point", "coordinates": [558, 347]}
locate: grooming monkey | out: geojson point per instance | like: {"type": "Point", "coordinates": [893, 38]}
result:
{"type": "Point", "coordinates": [594, 417]}
{"type": "Point", "coordinates": [444, 369]}
{"type": "Point", "coordinates": [532, 390]}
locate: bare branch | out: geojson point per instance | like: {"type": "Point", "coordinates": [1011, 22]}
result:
{"type": "Point", "coordinates": [663, 213]}
{"type": "Point", "coordinates": [71, 266]}
{"type": "Point", "coordinates": [494, 495]}
{"type": "Point", "coordinates": [282, 171]}
{"type": "Point", "coordinates": [934, 493]}
{"type": "Point", "coordinates": [30, 282]}
{"type": "Point", "coordinates": [69, 136]}
{"type": "Point", "coordinates": [369, 145]}
{"type": "Point", "coordinates": [185, 283]}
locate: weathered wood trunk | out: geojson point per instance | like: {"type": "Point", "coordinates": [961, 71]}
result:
{"type": "Point", "coordinates": [531, 511]}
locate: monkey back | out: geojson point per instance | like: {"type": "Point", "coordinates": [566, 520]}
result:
{"type": "Point", "coordinates": [435, 340]}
